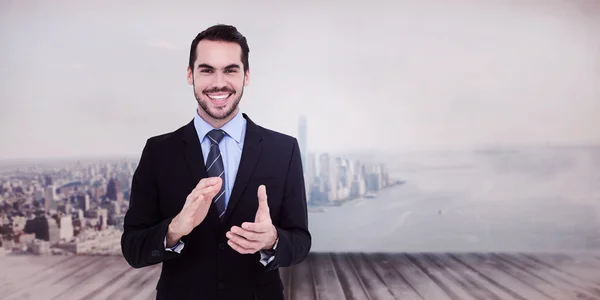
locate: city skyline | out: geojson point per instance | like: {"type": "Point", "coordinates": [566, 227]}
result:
{"type": "Point", "coordinates": [429, 200]}
{"type": "Point", "coordinates": [79, 208]}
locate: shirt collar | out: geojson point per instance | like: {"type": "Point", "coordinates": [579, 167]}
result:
{"type": "Point", "coordinates": [234, 128]}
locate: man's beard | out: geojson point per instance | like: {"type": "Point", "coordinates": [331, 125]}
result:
{"type": "Point", "coordinates": [220, 115]}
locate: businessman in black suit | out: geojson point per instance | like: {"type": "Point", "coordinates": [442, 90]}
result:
{"type": "Point", "coordinates": [220, 202]}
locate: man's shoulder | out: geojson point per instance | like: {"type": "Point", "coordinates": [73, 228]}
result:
{"type": "Point", "coordinates": [274, 137]}
{"type": "Point", "coordinates": [167, 138]}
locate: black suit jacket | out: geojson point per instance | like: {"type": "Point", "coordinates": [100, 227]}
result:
{"type": "Point", "coordinates": [171, 165]}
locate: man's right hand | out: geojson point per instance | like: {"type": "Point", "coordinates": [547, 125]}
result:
{"type": "Point", "coordinates": [194, 210]}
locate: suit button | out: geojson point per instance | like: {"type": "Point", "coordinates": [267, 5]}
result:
{"type": "Point", "coordinates": [221, 246]}
{"type": "Point", "coordinates": [221, 285]}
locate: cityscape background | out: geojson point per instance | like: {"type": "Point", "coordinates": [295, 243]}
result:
{"type": "Point", "coordinates": [424, 126]}
{"type": "Point", "coordinates": [79, 207]}
{"type": "Point", "coordinates": [536, 198]}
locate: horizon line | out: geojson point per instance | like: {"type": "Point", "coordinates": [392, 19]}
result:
{"type": "Point", "coordinates": [136, 156]}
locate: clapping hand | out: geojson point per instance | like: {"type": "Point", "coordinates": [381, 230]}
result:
{"type": "Point", "coordinates": [252, 237]}
{"type": "Point", "coordinates": [194, 210]}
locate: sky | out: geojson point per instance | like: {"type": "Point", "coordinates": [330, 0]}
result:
{"type": "Point", "coordinates": [96, 78]}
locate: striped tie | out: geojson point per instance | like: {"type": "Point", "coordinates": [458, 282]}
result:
{"type": "Point", "coordinates": [214, 167]}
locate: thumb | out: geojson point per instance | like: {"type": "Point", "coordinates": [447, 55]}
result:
{"type": "Point", "coordinates": [262, 198]}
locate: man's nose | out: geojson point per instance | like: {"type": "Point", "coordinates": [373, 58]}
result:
{"type": "Point", "coordinates": [219, 80]}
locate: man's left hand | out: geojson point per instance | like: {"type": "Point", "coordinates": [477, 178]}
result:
{"type": "Point", "coordinates": [252, 237]}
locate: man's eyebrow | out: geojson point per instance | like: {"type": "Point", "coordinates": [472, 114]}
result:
{"type": "Point", "coordinates": [205, 66]}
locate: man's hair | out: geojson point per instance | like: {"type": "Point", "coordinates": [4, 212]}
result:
{"type": "Point", "coordinates": [221, 33]}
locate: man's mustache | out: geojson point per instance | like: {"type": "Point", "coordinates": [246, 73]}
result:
{"type": "Point", "coordinates": [218, 90]}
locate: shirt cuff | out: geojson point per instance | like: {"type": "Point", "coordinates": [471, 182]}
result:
{"type": "Point", "coordinates": [265, 259]}
{"type": "Point", "coordinates": [177, 248]}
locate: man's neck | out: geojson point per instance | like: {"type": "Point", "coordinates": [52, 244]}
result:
{"type": "Point", "coordinates": [216, 123]}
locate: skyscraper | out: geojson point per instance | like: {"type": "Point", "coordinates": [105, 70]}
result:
{"type": "Point", "coordinates": [302, 140]}
{"type": "Point", "coordinates": [50, 198]}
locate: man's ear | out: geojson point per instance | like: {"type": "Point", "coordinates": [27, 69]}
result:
{"type": "Point", "coordinates": [190, 76]}
{"type": "Point", "coordinates": [247, 78]}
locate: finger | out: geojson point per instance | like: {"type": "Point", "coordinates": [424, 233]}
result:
{"type": "Point", "coordinates": [191, 198]}
{"type": "Point", "coordinates": [247, 234]}
{"type": "Point", "coordinates": [204, 187]}
{"type": "Point", "coordinates": [242, 242]}
{"type": "Point", "coordinates": [197, 192]}
{"type": "Point", "coordinates": [258, 227]}
{"type": "Point", "coordinates": [262, 197]}
{"type": "Point", "coordinates": [205, 182]}
{"type": "Point", "coordinates": [208, 191]}
{"type": "Point", "coordinates": [239, 248]}
{"type": "Point", "coordinates": [214, 192]}
{"type": "Point", "coordinates": [193, 205]}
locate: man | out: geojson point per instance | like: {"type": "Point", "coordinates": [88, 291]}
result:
{"type": "Point", "coordinates": [199, 201]}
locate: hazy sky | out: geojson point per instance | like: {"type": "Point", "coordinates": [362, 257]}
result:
{"type": "Point", "coordinates": [99, 79]}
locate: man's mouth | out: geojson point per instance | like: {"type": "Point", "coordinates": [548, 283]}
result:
{"type": "Point", "coordinates": [219, 98]}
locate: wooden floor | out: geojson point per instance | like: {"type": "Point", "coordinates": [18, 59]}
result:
{"type": "Point", "coordinates": [335, 276]}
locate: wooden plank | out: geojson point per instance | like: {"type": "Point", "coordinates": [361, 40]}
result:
{"type": "Point", "coordinates": [397, 284]}
{"type": "Point", "coordinates": [582, 267]}
{"type": "Point", "coordinates": [476, 291]}
{"type": "Point", "coordinates": [416, 277]}
{"type": "Point", "coordinates": [440, 277]}
{"type": "Point", "coordinates": [95, 277]}
{"type": "Point", "coordinates": [479, 287]}
{"type": "Point", "coordinates": [118, 282]}
{"type": "Point", "coordinates": [286, 277]}
{"type": "Point", "coordinates": [32, 272]}
{"type": "Point", "coordinates": [327, 283]}
{"type": "Point", "coordinates": [579, 290]}
{"type": "Point", "coordinates": [540, 280]}
{"type": "Point", "coordinates": [21, 269]}
{"type": "Point", "coordinates": [374, 286]}
{"type": "Point", "coordinates": [148, 286]}
{"type": "Point", "coordinates": [137, 283]}
{"type": "Point", "coordinates": [530, 278]}
{"type": "Point", "coordinates": [561, 267]}
{"type": "Point", "coordinates": [56, 281]}
{"type": "Point", "coordinates": [342, 276]}
{"type": "Point", "coordinates": [350, 280]}
{"type": "Point", "coordinates": [302, 283]}
{"type": "Point", "coordinates": [488, 269]}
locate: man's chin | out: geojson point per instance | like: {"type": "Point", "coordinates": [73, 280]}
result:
{"type": "Point", "coordinates": [220, 113]}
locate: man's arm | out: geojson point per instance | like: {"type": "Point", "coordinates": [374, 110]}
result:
{"type": "Point", "coordinates": [294, 238]}
{"type": "Point", "coordinates": [143, 239]}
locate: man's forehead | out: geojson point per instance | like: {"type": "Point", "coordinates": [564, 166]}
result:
{"type": "Point", "coordinates": [218, 52]}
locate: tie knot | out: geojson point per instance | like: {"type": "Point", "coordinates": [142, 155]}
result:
{"type": "Point", "coordinates": [215, 136]}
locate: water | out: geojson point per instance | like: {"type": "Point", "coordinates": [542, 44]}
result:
{"type": "Point", "coordinates": [541, 200]}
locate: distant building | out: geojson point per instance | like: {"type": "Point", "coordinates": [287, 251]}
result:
{"type": "Point", "coordinates": [50, 198]}
{"type": "Point", "coordinates": [60, 228]}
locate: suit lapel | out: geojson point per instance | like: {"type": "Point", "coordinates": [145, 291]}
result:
{"type": "Point", "coordinates": [194, 157]}
{"type": "Point", "coordinates": [250, 155]}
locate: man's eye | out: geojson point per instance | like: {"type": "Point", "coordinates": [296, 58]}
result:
{"type": "Point", "coordinates": [206, 71]}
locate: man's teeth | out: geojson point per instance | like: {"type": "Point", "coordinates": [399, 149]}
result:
{"type": "Point", "coordinates": [221, 97]}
